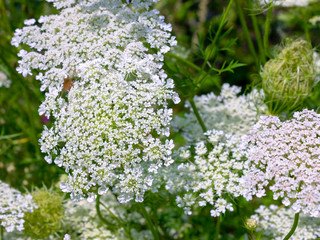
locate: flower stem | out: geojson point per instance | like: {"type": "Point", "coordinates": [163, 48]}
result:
{"type": "Point", "coordinates": [247, 35]}
{"type": "Point", "coordinates": [149, 222]}
{"type": "Point", "coordinates": [216, 37]}
{"type": "Point", "coordinates": [184, 61]}
{"type": "Point", "coordinates": [119, 221]}
{"type": "Point", "coordinates": [105, 221]}
{"type": "Point", "coordinates": [1, 232]}
{"type": "Point", "coordinates": [216, 235]}
{"type": "Point", "coordinates": [195, 110]}
{"type": "Point", "coordinates": [294, 226]}
{"type": "Point", "coordinates": [257, 33]}
{"type": "Point", "coordinates": [267, 30]}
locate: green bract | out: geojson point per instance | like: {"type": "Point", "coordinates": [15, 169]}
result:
{"type": "Point", "coordinates": [288, 79]}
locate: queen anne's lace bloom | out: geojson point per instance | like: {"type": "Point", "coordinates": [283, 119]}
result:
{"type": "Point", "coordinates": [276, 222]}
{"type": "Point", "coordinates": [227, 112]}
{"type": "Point", "coordinates": [285, 156]}
{"type": "Point", "coordinates": [13, 206]}
{"type": "Point", "coordinates": [210, 174]}
{"type": "Point", "coordinates": [100, 64]}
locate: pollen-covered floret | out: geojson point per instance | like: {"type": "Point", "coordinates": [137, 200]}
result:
{"type": "Point", "coordinates": [285, 158]}
{"type": "Point", "coordinates": [277, 221]}
{"type": "Point", "coordinates": [228, 112]}
{"type": "Point", "coordinates": [13, 206]}
{"type": "Point", "coordinates": [208, 174]}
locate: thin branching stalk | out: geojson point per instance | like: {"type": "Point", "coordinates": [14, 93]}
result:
{"type": "Point", "coordinates": [305, 25]}
{"type": "Point", "coordinates": [257, 33]}
{"type": "Point", "coordinates": [294, 226]}
{"type": "Point", "coordinates": [1, 232]}
{"type": "Point", "coordinates": [216, 37]}
{"type": "Point", "coordinates": [267, 30]}
{"type": "Point", "coordinates": [105, 221]}
{"type": "Point", "coordinates": [184, 61]}
{"type": "Point", "coordinates": [119, 220]}
{"type": "Point", "coordinates": [145, 214]}
{"type": "Point", "coordinates": [216, 235]}
{"type": "Point", "coordinates": [247, 35]}
{"type": "Point", "coordinates": [195, 110]}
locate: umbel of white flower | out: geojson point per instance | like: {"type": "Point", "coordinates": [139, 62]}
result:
{"type": "Point", "coordinates": [100, 62]}
{"type": "Point", "coordinates": [209, 174]}
{"type": "Point", "coordinates": [13, 206]}
{"type": "Point", "coordinates": [276, 222]}
{"type": "Point", "coordinates": [228, 112]}
{"type": "Point", "coordinates": [285, 157]}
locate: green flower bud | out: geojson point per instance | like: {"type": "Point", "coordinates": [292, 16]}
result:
{"type": "Point", "coordinates": [46, 219]}
{"type": "Point", "coordinates": [251, 224]}
{"type": "Point", "coordinates": [288, 79]}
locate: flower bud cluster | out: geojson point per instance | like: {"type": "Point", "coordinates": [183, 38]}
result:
{"type": "Point", "coordinates": [288, 78]}
{"type": "Point", "coordinates": [285, 158]}
{"type": "Point", "coordinates": [209, 173]}
{"type": "Point", "coordinates": [13, 206]}
{"type": "Point", "coordinates": [277, 222]}
{"type": "Point", "coordinates": [228, 112]}
{"type": "Point", "coordinates": [100, 63]}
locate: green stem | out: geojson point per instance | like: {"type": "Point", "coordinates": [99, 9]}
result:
{"type": "Point", "coordinates": [105, 221]}
{"type": "Point", "coordinates": [149, 222]}
{"type": "Point", "coordinates": [184, 61]}
{"type": "Point", "coordinates": [119, 221]}
{"type": "Point", "coordinates": [247, 35]}
{"type": "Point", "coordinates": [1, 232]}
{"type": "Point", "coordinates": [305, 25]}
{"type": "Point", "coordinates": [267, 30]}
{"type": "Point", "coordinates": [216, 37]}
{"type": "Point", "coordinates": [195, 110]}
{"type": "Point", "coordinates": [260, 234]}
{"type": "Point", "coordinates": [257, 33]}
{"type": "Point", "coordinates": [294, 226]}
{"type": "Point", "coordinates": [216, 235]}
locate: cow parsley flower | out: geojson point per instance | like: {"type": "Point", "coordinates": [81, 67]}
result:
{"type": "Point", "coordinates": [276, 222]}
{"type": "Point", "coordinates": [100, 65]}
{"type": "Point", "coordinates": [209, 173]}
{"type": "Point", "coordinates": [13, 206]}
{"type": "Point", "coordinates": [284, 156]}
{"type": "Point", "coordinates": [228, 112]}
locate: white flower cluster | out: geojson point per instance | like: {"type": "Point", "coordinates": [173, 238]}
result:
{"type": "Point", "coordinates": [13, 205]}
{"type": "Point", "coordinates": [100, 62]}
{"type": "Point", "coordinates": [210, 173]}
{"type": "Point", "coordinates": [4, 81]}
{"type": "Point", "coordinates": [228, 112]}
{"type": "Point", "coordinates": [276, 222]}
{"type": "Point", "coordinates": [288, 3]}
{"type": "Point", "coordinates": [285, 157]}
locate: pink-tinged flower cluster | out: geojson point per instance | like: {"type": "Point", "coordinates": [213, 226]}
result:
{"type": "Point", "coordinates": [285, 158]}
